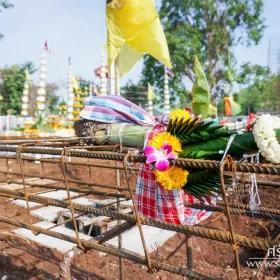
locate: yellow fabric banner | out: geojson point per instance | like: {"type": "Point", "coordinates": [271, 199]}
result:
{"type": "Point", "coordinates": [151, 94]}
{"type": "Point", "coordinates": [134, 28]}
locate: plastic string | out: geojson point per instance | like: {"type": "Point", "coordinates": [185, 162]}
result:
{"type": "Point", "coordinates": [120, 133]}
{"type": "Point", "coordinates": [228, 147]}
{"type": "Point", "coordinates": [255, 200]}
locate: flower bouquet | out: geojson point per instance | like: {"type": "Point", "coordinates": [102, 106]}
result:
{"type": "Point", "coordinates": [189, 136]}
{"type": "Point", "coordinates": [186, 134]}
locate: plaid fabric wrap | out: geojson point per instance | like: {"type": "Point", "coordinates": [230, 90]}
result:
{"type": "Point", "coordinates": [155, 202]}
{"type": "Point", "coordinates": [115, 109]}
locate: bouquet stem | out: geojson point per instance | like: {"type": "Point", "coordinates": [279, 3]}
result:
{"type": "Point", "coordinates": [122, 133]}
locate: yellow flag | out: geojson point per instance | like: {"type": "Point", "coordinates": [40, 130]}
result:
{"type": "Point", "coordinates": [27, 76]}
{"type": "Point", "coordinates": [151, 94]}
{"type": "Point", "coordinates": [74, 83]}
{"type": "Point", "coordinates": [134, 28]}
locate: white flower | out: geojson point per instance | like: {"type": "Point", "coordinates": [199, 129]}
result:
{"type": "Point", "coordinates": [265, 137]}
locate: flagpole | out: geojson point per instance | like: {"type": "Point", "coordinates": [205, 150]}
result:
{"type": "Point", "coordinates": [71, 96]}
{"type": "Point", "coordinates": [103, 82]}
{"type": "Point", "coordinates": [112, 78]}
{"type": "Point", "coordinates": [117, 76]}
{"type": "Point", "coordinates": [166, 94]}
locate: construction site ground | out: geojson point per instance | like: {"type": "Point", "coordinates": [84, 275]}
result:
{"type": "Point", "coordinates": [22, 259]}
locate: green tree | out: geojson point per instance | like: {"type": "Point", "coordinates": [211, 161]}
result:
{"type": "Point", "coordinates": [209, 29]}
{"type": "Point", "coordinates": [53, 105]}
{"type": "Point", "coordinates": [11, 87]}
{"type": "Point", "coordinates": [136, 93]}
{"type": "Point", "coordinates": [51, 89]}
{"type": "Point", "coordinates": [4, 4]}
{"type": "Point", "coordinates": [261, 96]}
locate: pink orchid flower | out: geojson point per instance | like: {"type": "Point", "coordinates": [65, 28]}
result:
{"type": "Point", "coordinates": [160, 157]}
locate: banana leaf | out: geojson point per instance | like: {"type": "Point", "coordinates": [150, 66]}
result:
{"type": "Point", "coordinates": [241, 144]}
{"type": "Point", "coordinates": [200, 91]}
{"type": "Point", "coordinates": [130, 135]}
{"type": "Point", "coordinates": [203, 184]}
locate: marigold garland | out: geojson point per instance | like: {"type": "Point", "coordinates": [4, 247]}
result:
{"type": "Point", "coordinates": [180, 114]}
{"type": "Point", "coordinates": [173, 178]}
{"type": "Point", "coordinates": [159, 140]}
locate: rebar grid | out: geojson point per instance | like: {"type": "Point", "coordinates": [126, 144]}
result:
{"type": "Point", "coordinates": [237, 211]}
{"type": "Point", "coordinates": [85, 191]}
{"type": "Point", "coordinates": [185, 163]}
{"type": "Point", "coordinates": [236, 208]}
{"type": "Point", "coordinates": [80, 182]}
{"type": "Point", "coordinates": [213, 234]}
{"type": "Point", "coordinates": [106, 153]}
{"type": "Point", "coordinates": [72, 162]}
{"type": "Point", "coordinates": [111, 250]}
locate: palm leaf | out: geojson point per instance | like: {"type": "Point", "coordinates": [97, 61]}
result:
{"type": "Point", "coordinates": [193, 131]}
{"type": "Point", "coordinates": [203, 184]}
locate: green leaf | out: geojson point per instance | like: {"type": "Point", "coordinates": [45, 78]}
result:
{"type": "Point", "coordinates": [171, 126]}
{"type": "Point", "coordinates": [195, 127]}
{"type": "Point", "coordinates": [182, 128]}
{"type": "Point", "coordinates": [220, 133]}
{"type": "Point", "coordinates": [200, 91]}
{"type": "Point", "coordinates": [241, 144]}
{"type": "Point", "coordinates": [190, 125]}
{"type": "Point", "coordinates": [185, 139]}
{"type": "Point", "coordinates": [196, 137]}
{"type": "Point", "coordinates": [205, 126]}
{"type": "Point", "coordinates": [203, 183]}
{"type": "Point", "coordinates": [205, 135]}
{"type": "Point", "coordinates": [213, 128]}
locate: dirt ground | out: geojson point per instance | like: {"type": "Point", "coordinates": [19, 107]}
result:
{"type": "Point", "coordinates": [23, 259]}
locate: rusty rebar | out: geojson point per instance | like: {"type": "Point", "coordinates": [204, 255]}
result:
{"type": "Point", "coordinates": [175, 250]}
{"type": "Point", "coordinates": [72, 162]}
{"type": "Point", "coordinates": [263, 183]}
{"type": "Point", "coordinates": [115, 231]}
{"type": "Point", "coordinates": [185, 163]}
{"type": "Point", "coordinates": [80, 182]}
{"type": "Point", "coordinates": [189, 252]}
{"type": "Point", "coordinates": [204, 232]}
{"type": "Point", "coordinates": [236, 211]}
{"type": "Point", "coordinates": [247, 207]}
{"type": "Point", "coordinates": [112, 251]}
{"type": "Point", "coordinates": [85, 191]}
{"type": "Point", "coordinates": [228, 162]}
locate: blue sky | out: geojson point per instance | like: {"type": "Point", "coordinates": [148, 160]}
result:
{"type": "Point", "coordinates": [77, 29]}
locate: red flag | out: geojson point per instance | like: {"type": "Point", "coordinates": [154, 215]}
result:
{"type": "Point", "coordinates": [97, 71]}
